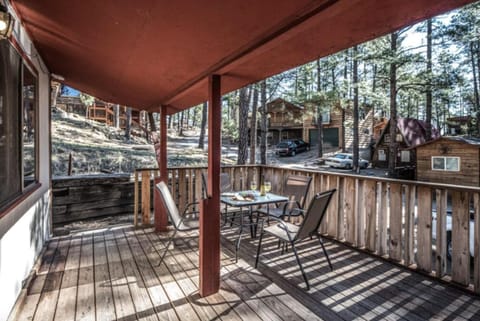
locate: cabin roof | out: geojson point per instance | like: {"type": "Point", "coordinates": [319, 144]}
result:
{"type": "Point", "coordinates": [413, 131]}
{"type": "Point", "coordinates": [148, 53]}
{"type": "Point", "coordinates": [472, 141]}
{"type": "Point", "coordinates": [280, 101]}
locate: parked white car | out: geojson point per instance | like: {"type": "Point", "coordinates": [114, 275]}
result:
{"type": "Point", "coordinates": [344, 160]}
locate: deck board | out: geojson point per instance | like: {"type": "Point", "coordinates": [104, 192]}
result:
{"type": "Point", "coordinates": [85, 307]}
{"type": "Point", "coordinates": [68, 290]}
{"type": "Point", "coordinates": [116, 275]}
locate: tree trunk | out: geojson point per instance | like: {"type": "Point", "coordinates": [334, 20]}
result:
{"type": "Point", "coordinates": [253, 126]}
{"type": "Point", "coordinates": [180, 124]}
{"type": "Point", "coordinates": [201, 140]}
{"type": "Point", "coordinates": [263, 123]}
{"type": "Point", "coordinates": [342, 136]}
{"type": "Point", "coordinates": [243, 126]}
{"type": "Point", "coordinates": [392, 155]}
{"type": "Point", "coordinates": [320, 131]}
{"type": "Point", "coordinates": [116, 116]}
{"type": "Point", "coordinates": [151, 121]}
{"type": "Point", "coordinates": [355, 111]}
{"type": "Point", "coordinates": [428, 102]}
{"type": "Point", "coordinates": [128, 125]}
{"type": "Point", "coordinates": [475, 86]}
{"type": "Point", "coordinates": [319, 112]}
{"type": "Point", "coordinates": [345, 74]}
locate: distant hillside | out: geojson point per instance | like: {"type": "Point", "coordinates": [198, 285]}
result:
{"type": "Point", "coordinates": [98, 148]}
{"type": "Point", "coordinates": [95, 147]}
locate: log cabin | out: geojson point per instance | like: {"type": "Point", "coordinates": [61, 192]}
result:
{"type": "Point", "coordinates": [450, 160]}
{"type": "Point", "coordinates": [410, 133]}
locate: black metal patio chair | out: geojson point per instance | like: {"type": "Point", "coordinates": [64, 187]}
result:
{"type": "Point", "coordinates": [291, 233]}
{"type": "Point", "coordinates": [295, 188]}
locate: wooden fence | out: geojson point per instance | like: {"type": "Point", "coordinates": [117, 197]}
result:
{"type": "Point", "coordinates": [83, 197]}
{"type": "Point", "coordinates": [389, 218]}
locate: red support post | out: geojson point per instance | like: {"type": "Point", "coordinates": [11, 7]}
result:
{"type": "Point", "coordinates": [209, 240]}
{"type": "Point", "coordinates": [161, 217]}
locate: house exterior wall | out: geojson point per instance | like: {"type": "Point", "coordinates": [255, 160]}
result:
{"type": "Point", "coordinates": [25, 226]}
{"type": "Point", "coordinates": [469, 163]}
{"type": "Point", "coordinates": [335, 121]}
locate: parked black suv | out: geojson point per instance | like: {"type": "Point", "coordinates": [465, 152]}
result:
{"type": "Point", "coordinates": [291, 147]}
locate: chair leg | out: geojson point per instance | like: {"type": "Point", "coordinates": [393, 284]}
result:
{"type": "Point", "coordinates": [170, 240]}
{"type": "Point", "coordinates": [239, 239]}
{"type": "Point", "coordinates": [325, 251]}
{"type": "Point", "coordinates": [258, 249]}
{"type": "Point", "coordinates": [300, 265]}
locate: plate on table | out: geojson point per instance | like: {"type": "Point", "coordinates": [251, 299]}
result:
{"type": "Point", "coordinates": [244, 196]}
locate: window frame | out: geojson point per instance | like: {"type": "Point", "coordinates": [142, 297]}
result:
{"type": "Point", "coordinates": [14, 200]}
{"type": "Point", "coordinates": [444, 158]}
{"type": "Point", "coordinates": [34, 73]}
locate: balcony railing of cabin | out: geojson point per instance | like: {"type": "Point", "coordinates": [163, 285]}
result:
{"type": "Point", "coordinates": [388, 218]}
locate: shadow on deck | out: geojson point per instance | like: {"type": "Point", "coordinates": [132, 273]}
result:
{"type": "Point", "coordinates": [114, 275]}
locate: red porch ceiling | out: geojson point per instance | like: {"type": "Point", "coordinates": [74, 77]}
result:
{"type": "Point", "coordinates": [145, 53]}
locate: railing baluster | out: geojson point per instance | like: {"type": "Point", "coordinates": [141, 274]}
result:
{"type": "Point", "coordinates": [382, 215]}
{"type": "Point", "coordinates": [395, 240]}
{"type": "Point", "coordinates": [340, 211]}
{"type": "Point", "coordinates": [424, 229]}
{"type": "Point", "coordinates": [349, 209]}
{"type": "Point", "coordinates": [146, 197]}
{"type": "Point", "coordinates": [476, 248]}
{"type": "Point", "coordinates": [441, 233]}
{"type": "Point", "coordinates": [370, 207]}
{"type": "Point", "coordinates": [135, 199]}
{"type": "Point", "coordinates": [410, 199]}
{"type": "Point", "coordinates": [460, 237]}
{"type": "Point", "coordinates": [360, 212]}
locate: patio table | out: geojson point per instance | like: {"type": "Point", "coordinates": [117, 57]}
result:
{"type": "Point", "coordinates": [232, 199]}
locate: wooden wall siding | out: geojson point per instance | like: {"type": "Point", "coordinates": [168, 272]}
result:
{"type": "Point", "coordinates": [469, 163]}
{"type": "Point", "coordinates": [389, 218]}
{"type": "Point", "coordinates": [79, 198]}
{"type": "Point", "coordinates": [365, 128]}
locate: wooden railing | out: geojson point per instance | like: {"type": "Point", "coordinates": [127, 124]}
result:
{"type": "Point", "coordinates": [388, 218]}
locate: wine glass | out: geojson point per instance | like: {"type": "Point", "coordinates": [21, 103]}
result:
{"type": "Point", "coordinates": [253, 185]}
{"type": "Point", "coordinates": [268, 187]}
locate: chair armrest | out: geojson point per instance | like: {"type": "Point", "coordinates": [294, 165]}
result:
{"type": "Point", "coordinates": [281, 224]}
{"type": "Point", "coordinates": [189, 205]}
{"type": "Point", "coordinates": [290, 207]}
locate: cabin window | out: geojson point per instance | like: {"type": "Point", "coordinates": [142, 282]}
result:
{"type": "Point", "coordinates": [326, 117]}
{"type": "Point", "coordinates": [18, 127]}
{"type": "Point", "coordinates": [382, 156]}
{"type": "Point", "coordinates": [405, 156]}
{"type": "Point", "coordinates": [441, 163]}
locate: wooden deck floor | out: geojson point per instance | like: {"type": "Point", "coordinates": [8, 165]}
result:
{"type": "Point", "coordinates": [113, 275]}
